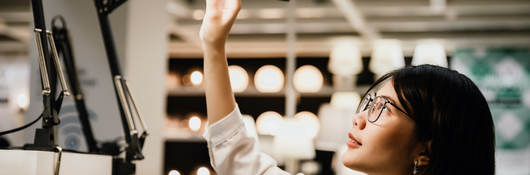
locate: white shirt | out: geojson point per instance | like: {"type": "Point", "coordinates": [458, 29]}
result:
{"type": "Point", "coordinates": [234, 151]}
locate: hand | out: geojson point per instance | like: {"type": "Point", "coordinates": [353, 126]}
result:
{"type": "Point", "coordinates": [218, 19]}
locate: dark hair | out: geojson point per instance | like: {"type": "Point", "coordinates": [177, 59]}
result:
{"type": "Point", "coordinates": [449, 110]}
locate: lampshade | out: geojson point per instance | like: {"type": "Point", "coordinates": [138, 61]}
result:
{"type": "Point", "coordinates": [345, 100]}
{"type": "Point", "coordinates": [238, 78]}
{"type": "Point", "coordinates": [250, 125]}
{"type": "Point", "coordinates": [269, 78]}
{"type": "Point", "coordinates": [203, 171]}
{"type": "Point", "coordinates": [335, 123]}
{"type": "Point", "coordinates": [308, 79]}
{"type": "Point", "coordinates": [430, 52]}
{"type": "Point", "coordinates": [310, 123]}
{"type": "Point", "coordinates": [292, 142]}
{"type": "Point", "coordinates": [345, 59]}
{"type": "Point", "coordinates": [387, 55]}
{"type": "Point", "coordinates": [174, 172]}
{"type": "Point", "coordinates": [269, 123]}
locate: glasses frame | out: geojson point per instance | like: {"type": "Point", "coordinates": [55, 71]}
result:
{"type": "Point", "coordinates": [367, 104]}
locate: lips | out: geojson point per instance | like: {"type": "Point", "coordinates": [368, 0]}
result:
{"type": "Point", "coordinates": [353, 142]}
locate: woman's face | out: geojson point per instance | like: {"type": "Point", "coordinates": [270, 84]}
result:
{"type": "Point", "coordinates": [387, 146]}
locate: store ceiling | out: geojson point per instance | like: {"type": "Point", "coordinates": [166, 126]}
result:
{"type": "Point", "coordinates": [260, 29]}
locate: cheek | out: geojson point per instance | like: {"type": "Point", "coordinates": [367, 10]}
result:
{"type": "Point", "coordinates": [391, 145]}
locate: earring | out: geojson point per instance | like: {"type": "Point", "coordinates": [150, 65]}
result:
{"type": "Point", "coordinates": [415, 170]}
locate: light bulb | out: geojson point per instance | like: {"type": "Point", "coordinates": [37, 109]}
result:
{"type": "Point", "coordinates": [308, 79]}
{"type": "Point", "coordinates": [238, 78]}
{"type": "Point", "coordinates": [269, 78]}
{"type": "Point", "coordinates": [345, 59]}
{"type": "Point", "coordinates": [310, 123]}
{"type": "Point", "coordinates": [345, 100]}
{"type": "Point", "coordinates": [174, 172]}
{"type": "Point", "coordinates": [22, 101]}
{"type": "Point", "coordinates": [268, 123]}
{"type": "Point", "coordinates": [196, 78]}
{"type": "Point", "coordinates": [203, 171]}
{"type": "Point", "coordinates": [387, 56]}
{"type": "Point", "coordinates": [194, 123]}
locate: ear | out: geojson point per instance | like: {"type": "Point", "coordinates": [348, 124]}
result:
{"type": "Point", "coordinates": [423, 158]}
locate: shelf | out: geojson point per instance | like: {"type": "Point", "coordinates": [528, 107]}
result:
{"type": "Point", "coordinates": [251, 91]}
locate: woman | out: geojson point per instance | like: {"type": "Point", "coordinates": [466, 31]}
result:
{"type": "Point", "coordinates": [417, 120]}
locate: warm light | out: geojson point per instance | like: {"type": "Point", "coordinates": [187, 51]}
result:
{"type": "Point", "coordinates": [345, 59]}
{"type": "Point", "coordinates": [238, 78]}
{"type": "Point", "coordinates": [387, 56]}
{"type": "Point", "coordinates": [268, 123]}
{"type": "Point", "coordinates": [22, 101]}
{"type": "Point", "coordinates": [345, 100]}
{"type": "Point", "coordinates": [196, 77]}
{"type": "Point", "coordinates": [293, 140]}
{"type": "Point", "coordinates": [203, 171]}
{"type": "Point", "coordinates": [430, 53]}
{"type": "Point", "coordinates": [308, 79]}
{"type": "Point", "coordinates": [310, 123]}
{"type": "Point", "coordinates": [269, 78]}
{"type": "Point", "coordinates": [198, 14]}
{"type": "Point", "coordinates": [194, 123]}
{"type": "Point", "coordinates": [174, 172]}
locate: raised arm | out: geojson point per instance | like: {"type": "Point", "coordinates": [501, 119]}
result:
{"type": "Point", "coordinates": [218, 19]}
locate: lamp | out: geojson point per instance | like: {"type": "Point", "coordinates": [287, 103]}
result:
{"type": "Point", "coordinates": [430, 52]}
{"type": "Point", "coordinates": [387, 55]}
{"type": "Point", "coordinates": [269, 79]}
{"type": "Point", "coordinates": [308, 79]}
{"type": "Point", "coordinates": [345, 59]}
{"type": "Point", "coordinates": [268, 123]}
{"type": "Point", "coordinates": [238, 78]}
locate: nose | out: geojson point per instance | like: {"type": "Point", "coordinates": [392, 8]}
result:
{"type": "Point", "coordinates": [359, 120]}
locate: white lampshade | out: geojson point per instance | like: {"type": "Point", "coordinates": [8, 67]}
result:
{"type": "Point", "coordinates": [269, 78]}
{"type": "Point", "coordinates": [196, 78]}
{"type": "Point", "coordinates": [335, 122]}
{"type": "Point", "coordinates": [174, 172]}
{"type": "Point", "coordinates": [345, 100]}
{"type": "Point", "coordinates": [269, 123]}
{"type": "Point", "coordinates": [308, 79]}
{"type": "Point", "coordinates": [387, 55]}
{"type": "Point", "coordinates": [345, 59]}
{"type": "Point", "coordinates": [292, 141]}
{"type": "Point", "coordinates": [430, 52]}
{"type": "Point", "coordinates": [238, 78]}
{"type": "Point", "coordinates": [310, 123]}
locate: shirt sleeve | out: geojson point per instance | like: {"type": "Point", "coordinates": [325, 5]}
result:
{"type": "Point", "coordinates": [234, 151]}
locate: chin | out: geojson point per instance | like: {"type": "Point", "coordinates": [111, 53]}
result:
{"type": "Point", "coordinates": [351, 160]}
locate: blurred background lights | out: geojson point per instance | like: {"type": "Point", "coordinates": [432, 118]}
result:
{"type": "Point", "coordinates": [174, 172]}
{"type": "Point", "coordinates": [310, 123]}
{"type": "Point", "coordinates": [203, 171]}
{"type": "Point", "coordinates": [345, 100]}
{"type": "Point", "coordinates": [238, 78]}
{"type": "Point", "coordinates": [194, 123]}
{"type": "Point", "coordinates": [387, 55]}
{"type": "Point", "coordinates": [268, 123]}
{"type": "Point", "coordinates": [269, 78]}
{"type": "Point", "coordinates": [196, 78]}
{"type": "Point", "coordinates": [308, 79]}
{"type": "Point", "coordinates": [430, 52]}
{"type": "Point", "coordinates": [345, 59]}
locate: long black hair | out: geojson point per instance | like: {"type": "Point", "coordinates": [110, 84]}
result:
{"type": "Point", "coordinates": [450, 111]}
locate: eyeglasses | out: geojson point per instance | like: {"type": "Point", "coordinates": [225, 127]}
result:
{"type": "Point", "coordinates": [375, 106]}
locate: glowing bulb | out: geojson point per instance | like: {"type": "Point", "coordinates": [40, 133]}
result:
{"type": "Point", "coordinates": [194, 123]}
{"type": "Point", "coordinates": [196, 78]}
{"type": "Point", "coordinates": [308, 79]}
{"type": "Point", "coordinates": [310, 123]}
{"type": "Point", "coordinates": [174, 172]}
{"type": "Point", "coordinates": [269, 123]}
{"type": "Point", "coordinates": [22, 101]}
{"type": "Point", "coordinates": [203, 171]}
{"type": "Point", "coordinates": [238, 78]}
{"type": "Point", "coordinates": [269, 78]}
{"type": "Point", "coordinates": [430, 53]}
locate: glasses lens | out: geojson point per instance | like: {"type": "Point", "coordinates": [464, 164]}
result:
{"type": "Point", "coordinates": [364, 104]}
{"type": "Point", "coordinates": [376, 110]}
